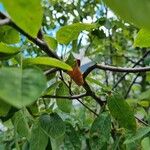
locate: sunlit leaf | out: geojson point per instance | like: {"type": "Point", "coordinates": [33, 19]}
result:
{"type": "Point", "coordinates": [126, 10]}
{"type": "Point", "coordinates": [52, 43]}
{"type": "Point", "coordinates": [26, 14]}
{"type": "Point", "coordinates": [48, 61]}
{"type": "Point", "coordinates": [142, 39]}
{"type": "Point", "coordinates": [145, 143]}
{"type": "Point", "coordinates": [69, 33]}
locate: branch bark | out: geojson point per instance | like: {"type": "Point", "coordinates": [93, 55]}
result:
{"type": "Point", "coordinates": [115, 69]}
{"type": "Point", "coordinates": [66, 97]}
{"type": "Point", "coordinates": [43, 45]}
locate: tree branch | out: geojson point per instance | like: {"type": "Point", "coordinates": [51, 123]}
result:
{"type": "Point", "coordinates": [66, 97]}
{"type": "Point", "coordinates": [143, 122]}
{"type": "Point", "coordinates": [115, 69]}
{"type": "Point", "coordinates": [4, 21]}
{"type": "Point", "coordinates": [129, 89]}
{"type": "Point", "coordinates": [36, 41]}
{"type": "Point", "coordinates": [137, 63]}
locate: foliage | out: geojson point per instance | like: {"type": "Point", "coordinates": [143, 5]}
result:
{"type": "Point", "coordinates": [69, 77]}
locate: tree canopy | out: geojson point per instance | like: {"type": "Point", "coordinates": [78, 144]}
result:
{"type": "Point", "coordinates": [74, 74]}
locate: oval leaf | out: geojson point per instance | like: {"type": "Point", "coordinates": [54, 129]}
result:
{"type": "Point", "coordinates": [122, 112]}
{"type": "Point", "coordinates": [63, 104]}
{"type": "Point", "coordinates": [21, 124]}
{"type": "Point", "coordinates": [52, 43]}
{"type": "Point", "coordinates": [4, 108]}
{"type": "Point", "coordinates": [142, 39]}
{"type": "Point", "coordinates": [100, 131]}
{"type": "Point", "coordinates": [71, 32]}
{"type": "Point", "coordinates": [126, 10]}
{"type": "Point", "coordinates": [138, 135]}
{"type": "Point", "coordinates": [38, 139]}
{"type": "Point", "coordinates": [52, 125]}
{"type": "Point", "coordinates": [21, 87]}
{"type": "Point", "coordinates": [48, 62]}
{"type": "Point", "coordinates": [22, 14]}
{"type": "Point", "coordinates": [9, 35]}
{"type": "Point", "coordinates": [7, 51]}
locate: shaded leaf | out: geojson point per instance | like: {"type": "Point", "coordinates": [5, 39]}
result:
{"type": "Point", "coordinates": [73, 136]}
{"type": "Point", "coordinates": [38, 139]}
{"type": "Point", "coordinates": [126, 10]}
{"type": "Point", "coordinates": [71, 32]}
{"type": "Point", "coordinates": [138, 135]}
{"type": "Point", "coordinates": [52, 125]}
{"type": "Point", "coordinates": [21, 124]}
{"type": "Point", "coordinates": [4, 108]}
{"type": "Point", "coordinates": [145, 95]}
{"type": "Point", "coordinates": [142, 39]}
{"type": "Point", "coordinates": [8, 35]}
{"type": "Point", "coordinates": [121, 111]}
{"type": "Point", "coordinates": [21, 87]}
{"type": "Point", "coordinates": [47, 61]}
{"type": "Point", "coordinates": [27, 14]}
{"type": "Point", "coordinates": [63, 104]}
{"type": "Point", "coordinates": [100, 131]}
{"type": "Point", "coordinates": [52, 43]}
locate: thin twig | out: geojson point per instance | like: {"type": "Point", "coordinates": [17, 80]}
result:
{"type": "Point", "coordinates": [48, 72]}
{"type": "Point", "coordinates": [143, 122]}
{"type": "Point", "coordinates": [129, 89]}
{"type": "Point", "coordinates": [66, 97]}
{"type": "Point", "coordinates": [137, 63]}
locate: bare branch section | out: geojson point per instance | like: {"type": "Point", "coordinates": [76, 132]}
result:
{"type": "Point", "coordinates": [115, 69]}
{"type": "Point", "coordinates": [65, 97]}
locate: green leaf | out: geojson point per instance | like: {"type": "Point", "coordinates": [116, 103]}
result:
{"type": "Point", "coordinates": [4, 108]}
{"type": "Point", "coordinates": [9, 35]}
{"type": "Point", "coordinates": [121, 111]}
{"type": "Point", "coordinates": [126, 10]}
{"type": "Point", "coordinates": [144, 95]}
{"type": "Point", "coordinates": [63, 104]}
{"type": "Point", "coordinates": [38, 139]}
{"type": "Point", "coordinates": [142, 39]}
{"type": "Point", "coordinates": [21, 124]}
{"type": "Point", "coordinates": [141, 132]}
{"type": "Point", "coordinates": [21, 87]}
{"type": "Point", "coordinates": [48, 62]}
{"type": "Point", "coordinates": [71, 32]}
{"type": "Point", "coordinates": [52, 125]}
{"type": "Point", "coordinates": [145, 143]}
{"type": "Point", "coordinates": [100, 131]}
{"type": "Point", "coordinates": [52, 43]}
{"type": "Point", "coordinates": [73, 136]}
{"type": "Point", "coordinates": [26, 14]}
{"type": "Point", "coordinates": [7, 51]}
